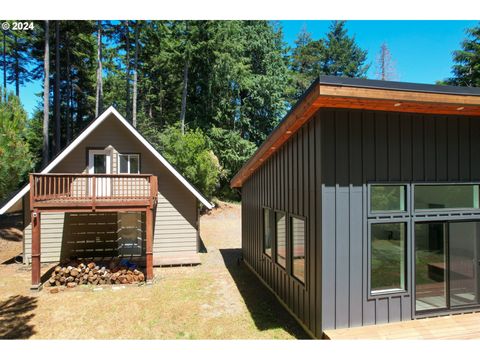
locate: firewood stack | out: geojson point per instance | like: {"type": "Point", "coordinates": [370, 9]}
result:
{"type": "Point", "coordinates": [73, 274]}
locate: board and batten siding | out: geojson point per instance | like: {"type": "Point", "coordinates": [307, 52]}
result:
{"type": "Point", "coordinates": [289, 182]}
{"type": "Point", "coordinates": [176, 216]}
{"type": "Point", "coordinates": [359, 147]}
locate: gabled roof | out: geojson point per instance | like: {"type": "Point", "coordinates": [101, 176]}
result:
{"type": "Point", "coordinates": [351, 93]}
{"type": "Point", "coordinates": [110, 111]}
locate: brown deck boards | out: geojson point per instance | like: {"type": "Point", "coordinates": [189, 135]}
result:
{"type": "Point", "coordinates": [462, 326]}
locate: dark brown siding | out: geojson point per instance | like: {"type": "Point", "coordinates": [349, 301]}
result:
{"type": "Point", "coordinates": [288, 181]}
{"type": "Point", "coordinates": [359, 147]}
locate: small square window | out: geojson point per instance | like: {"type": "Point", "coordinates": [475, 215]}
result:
{"type": "Point", "coordinates": [129, 163]}
{"type": "Point", "coordinates": [387, 198]}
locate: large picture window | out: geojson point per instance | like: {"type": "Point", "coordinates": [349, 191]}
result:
{"type": "Point", "coordinates": [387, 257]}
{"type": "Point", "coordinates": [446, 197]}
{"type": "Point", "coordinates": [267, 231]}
{"type": "Point", "coordinates": [129, 163]}
{"type": "Point", "coordinates": [297, 227]}
{"type": "Point", "coordinates": [281, 238]}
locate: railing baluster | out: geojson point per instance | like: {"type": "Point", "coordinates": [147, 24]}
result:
{"type": "Point", "coordinates": [94, 187]}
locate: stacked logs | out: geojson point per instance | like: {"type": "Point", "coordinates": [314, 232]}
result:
{"type": "Point", "coordinates": [73, 274]}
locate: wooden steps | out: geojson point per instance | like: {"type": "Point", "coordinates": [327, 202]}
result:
{"type": "Point", "coordinates": [176, 259]}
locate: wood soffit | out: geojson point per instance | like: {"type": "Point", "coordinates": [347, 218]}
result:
{"type": "Point", "coordinates": [350, 97]}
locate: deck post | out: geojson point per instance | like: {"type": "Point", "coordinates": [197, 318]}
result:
{"type": "Point", "coordinates": [149, 240]}
{"type": "Point", "coordinates": [36, 282]}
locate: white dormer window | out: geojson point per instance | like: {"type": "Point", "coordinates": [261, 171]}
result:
{"type": "Point", "coordinates": [128, 163]}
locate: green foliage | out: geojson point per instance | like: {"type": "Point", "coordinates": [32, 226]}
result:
{"type": "Point", "coordinates": [337, 54]}
{"type": "Point", "coordinates": [467, 60]}
{"type": "Point", "coordinates": [241, 79]}
{"type": "Point", "coordinates": [14, 149]}
{"type": "Point", "coordinates": [232, 151]}
{"type": "Point", "coordinates": [189, 153]}
{"type": "Point", "coordinates": [342, 56]}
{"type": "Point", "coordinates": [305, 62]}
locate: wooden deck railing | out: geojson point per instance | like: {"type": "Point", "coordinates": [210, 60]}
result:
{"type": "Point", "coordinates": [117, 189]}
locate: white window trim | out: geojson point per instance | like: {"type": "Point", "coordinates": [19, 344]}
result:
{"type": "Point", "coordinates": [93, 152]}
{"type": "Point", "coordinates": [128, 163]}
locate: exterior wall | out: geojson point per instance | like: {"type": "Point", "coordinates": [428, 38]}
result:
{"type": "Point", "coordinates": [359, 147]}
{"type": "Point", "coordinates": [176, 215]}
{"type": "Point", "coordinates": [289, 182]}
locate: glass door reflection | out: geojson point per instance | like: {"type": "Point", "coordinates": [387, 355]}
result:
{"type": "Point", "coordinates": [430, 266]}
{"type": "Point", "coordinates": [463, 245]}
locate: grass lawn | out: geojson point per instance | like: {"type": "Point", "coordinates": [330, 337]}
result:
{"type": "Point", "coordinates": [216, 300]}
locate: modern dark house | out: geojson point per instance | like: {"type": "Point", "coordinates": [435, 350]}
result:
{"type": "Point", "coordinates": [362, 206]}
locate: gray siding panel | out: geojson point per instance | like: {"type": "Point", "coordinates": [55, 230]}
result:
{"type": "Point", "coordinates": [287, 182]}
{"type": "Point", "coordinates": [378, 147]}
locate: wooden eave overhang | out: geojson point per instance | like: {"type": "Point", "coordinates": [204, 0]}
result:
{"type": "Point", "coordinates": [415, 98]}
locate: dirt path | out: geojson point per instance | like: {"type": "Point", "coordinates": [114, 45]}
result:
{"type": "Point", "coordinates": [216, 300]}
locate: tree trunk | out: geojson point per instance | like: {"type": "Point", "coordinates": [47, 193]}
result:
{"type": "Point", "coordinates": [135, 77]}
{"type": "Point", "coordinates": [4, 65]}
{"type": "Point", "coordinates": [184, 96]}
{"type": "Point", "coordinates": [57, 89]}
{"type": "Point", "coordinates": [69, 95]}
{"type": "Point", "coordinates": [127, 80]}
{"type": "Point", "coordinates": [99, 97]}
{"type": "Point", "coordinates": [17, 67]}
{"type": "Point", "coordinates": [46, 97]}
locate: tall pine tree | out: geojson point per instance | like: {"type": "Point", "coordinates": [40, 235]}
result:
{"type": "Point", "coordinates": [466, 69]}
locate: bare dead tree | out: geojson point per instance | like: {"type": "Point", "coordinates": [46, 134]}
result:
{"type": "Point", "coordinates": [385, 66]}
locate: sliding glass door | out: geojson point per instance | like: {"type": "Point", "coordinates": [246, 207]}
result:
{"type": "Point", "coordinates": [430, 266]}
{"type": "Point", "coordinates": [446, 264]}
{"type": "Point", "coordinates": [463, 244]}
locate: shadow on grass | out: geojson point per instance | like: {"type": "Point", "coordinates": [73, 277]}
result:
{"type": "Point", "coordinates": [15, 314]}
{"type": "Point", "coordinates": [201, 246]}
{"type": "Point", "coordinates": [264, 308]}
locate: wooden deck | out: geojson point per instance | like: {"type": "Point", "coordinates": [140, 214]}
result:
{"type": "Point", "coordinates": [177, 260]}
{"type": "Point", "coordinates": [459, 327]}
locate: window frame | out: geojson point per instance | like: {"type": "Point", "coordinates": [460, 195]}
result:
{"type": "Point", "coordinates": [272, 231]}
{"type": "Point", "coordinates": [422, 212]}
{"type": "Point", "coordinates": [138, 155]}
{"type": "Point", "coordinates": [290, 257]}
{"type": "Point", "coordinates": [276, 239]}
{"type": "Point", "coordinates": [407, 260]}
{"type": "Point", "coordinates": [408, 205]}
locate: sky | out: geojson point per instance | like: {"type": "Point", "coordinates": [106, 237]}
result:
{"type": "Point", "coordinates": [421, 50]}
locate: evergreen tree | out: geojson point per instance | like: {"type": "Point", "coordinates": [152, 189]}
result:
{"type": "Point", "coordinates": [466, 69]}
{"type": "Point", "coordinates": [342, 56]}
{"type": "Point", "coordinates": [17, 159]}
{"type": "Point", "coordinates": [305, 62]}
{"type": "Point", "coordinates": [17, 59]}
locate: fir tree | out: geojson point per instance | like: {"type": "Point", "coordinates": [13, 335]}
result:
{"type": "Point", "coordinates": [466, 69]}
{"type": "Point", "coordinates": [342, 56]}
